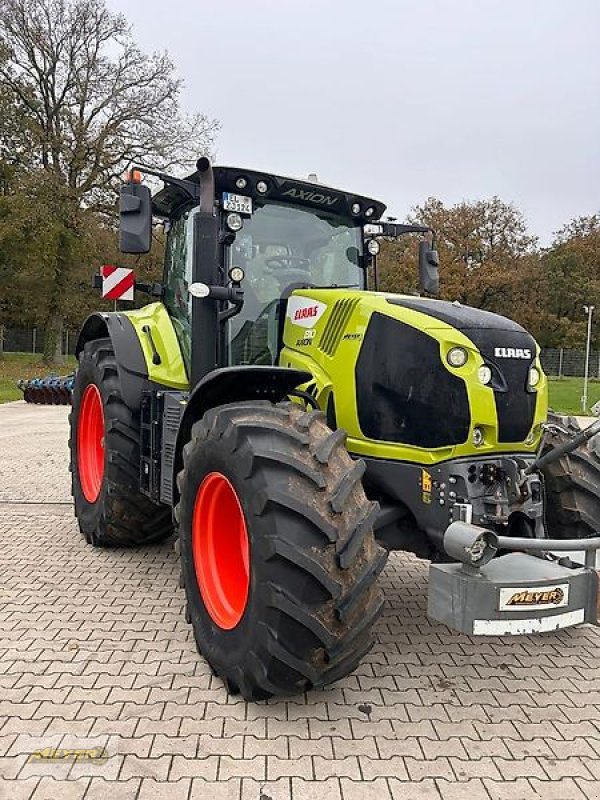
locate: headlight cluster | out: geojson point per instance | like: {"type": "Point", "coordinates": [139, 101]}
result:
{"type": "Point", "coordinates": [478, 437]}
{"type": "Point", "coordinates": [484, 373]}
{"type": "Point", "coordinates": [534, 377]}
{"type": "Point", "coordinates": [234, 222]}
{"type": "Point", "coordinates": [236, 274]}
{"type": "Point", "coordinates": [457, 357]}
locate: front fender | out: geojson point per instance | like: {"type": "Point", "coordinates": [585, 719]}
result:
{"type": "Point", "coordinates": [230, 385]}
{"type": "Point", "coordinates": [131, 363]}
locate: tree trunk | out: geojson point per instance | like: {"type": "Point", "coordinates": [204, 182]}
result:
{"type": "Point", "coordinates": [65, 254]}
{"type": "Point", "coordinates": [53, 343]}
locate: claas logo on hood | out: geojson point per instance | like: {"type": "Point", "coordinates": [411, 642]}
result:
{"type": "Point", "coordinates": [548, 597]}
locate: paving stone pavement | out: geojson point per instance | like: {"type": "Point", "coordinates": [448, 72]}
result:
{"type": "Point", "coordinates": [94, 653]}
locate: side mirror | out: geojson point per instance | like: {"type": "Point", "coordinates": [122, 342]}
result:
{"type": "Point", "coordinates": [135, 218]}
{"type": "Point", "coordinates": [429, 273]}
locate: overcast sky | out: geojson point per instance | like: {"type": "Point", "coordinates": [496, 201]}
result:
{"type": "Point", "coordinates": [458, 99]}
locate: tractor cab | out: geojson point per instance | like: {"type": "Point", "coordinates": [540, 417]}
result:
{"type": "Point", "coordinates": [270, 235]}
{"type": "Point", "coordinates": [260, 237]}
{"type": "Point", "coordinates": [281, 247]}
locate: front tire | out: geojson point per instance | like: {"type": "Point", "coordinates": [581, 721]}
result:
{"type": "Point", "coordinates": [573, 487]}
{"type": "Point", "coordinates": [278, 557]}
{"type": "Point", "coordinates": [105, 458]}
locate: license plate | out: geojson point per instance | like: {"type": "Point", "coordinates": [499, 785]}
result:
{"type": "Point", "coordinates": [237, 202]}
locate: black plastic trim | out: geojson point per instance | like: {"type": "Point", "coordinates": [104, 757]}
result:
{"type": "Point", "coordinates": [404, 393]}
{"type": "Point", "coordinates": [235, 384]}
{"type": "Point", "coordinates": [515, 401]}
{"type": "Point", "coordinates": [131, 363]}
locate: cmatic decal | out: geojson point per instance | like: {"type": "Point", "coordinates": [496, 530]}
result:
{"type": "Point", "coordinates": [305, 311]}
{"type": "Point", "coordinates": [426, 486]}
{"type": "Point", "coordinates": [117, 283]}
{"type": "Point", "coordinates": [519, 599]}
{"type": "Point", "coordinates": [512, 352]}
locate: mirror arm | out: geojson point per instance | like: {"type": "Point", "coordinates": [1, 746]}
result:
{"type": "Point", "coordinates": [394, 230]}
{"type": "Point", "coordinates": [191, 189]}
{"type": "Point", "coordinates": [153, 289]}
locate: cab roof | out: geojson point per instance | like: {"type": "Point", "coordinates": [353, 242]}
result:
{"type": "Point", "coordinates": [171, 197]}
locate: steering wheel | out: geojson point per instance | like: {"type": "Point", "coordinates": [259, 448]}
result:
{"type": "Point", "coordinates": [279, 262]}
{"type": "Point", "coordinates": [287, 269]}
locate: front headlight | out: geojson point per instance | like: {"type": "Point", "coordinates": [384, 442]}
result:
{"type": "Point", "coordinates": [457, 357]}
{"type": "Point", "coordinates": [478, 437]}
{"type": "Point", "coordinates": [234, 222]}
{"type": "Point", "coordinates": [534, 377]}
{"type": "Point", "coordinates": [236, 274]}
{"type": "Point", "coordinates": [485, 374]}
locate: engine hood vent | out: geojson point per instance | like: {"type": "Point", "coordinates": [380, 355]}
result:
{"type": "Point", "coordinates": [336, 325]}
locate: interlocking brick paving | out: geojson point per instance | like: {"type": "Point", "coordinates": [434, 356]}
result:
{"type": "Point", "coordinates": [95, 654]}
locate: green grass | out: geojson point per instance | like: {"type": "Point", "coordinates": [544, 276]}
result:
{"type": "Point", "coordinates": [565, 394]}
{"type": "Point", "coordinates": [23, 365]}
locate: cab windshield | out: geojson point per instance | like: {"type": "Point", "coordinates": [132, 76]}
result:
{"type": "Point", "coordinates": [282, 248]}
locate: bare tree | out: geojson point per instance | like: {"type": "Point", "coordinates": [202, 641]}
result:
{"type": "Point", "coordinates": [93, 103]}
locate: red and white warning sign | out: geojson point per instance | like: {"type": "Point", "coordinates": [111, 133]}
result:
{"type": "Point", "coordinates": [117, 283]}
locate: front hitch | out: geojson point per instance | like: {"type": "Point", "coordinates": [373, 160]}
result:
{"type": "Point", "coordinates": [524, 591]}
{"type": "Point", "coordinates": [563, 449]}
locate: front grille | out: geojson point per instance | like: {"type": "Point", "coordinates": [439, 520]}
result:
{"type": "Point", "coordinates": [334, 330]}
{"type": "Point", "coordinates": [403, 391]}
{"type": "Point", "coordinates": [515, 404]}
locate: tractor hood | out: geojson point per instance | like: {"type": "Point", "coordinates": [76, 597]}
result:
{"type": "Point", "coordinates": [506, 347]}
{"type": "Point", "coordinates": [382, 368]}
{"type": "Point", "coordinates": [463, 318]}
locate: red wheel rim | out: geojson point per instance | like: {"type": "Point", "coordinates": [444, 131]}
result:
{"type": "Point", "coordinates": [221, 550]}
{"type": "Point", "coordinates": [90, 443]}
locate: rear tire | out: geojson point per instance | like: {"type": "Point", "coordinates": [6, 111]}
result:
{"type": "Point", "coordinates": [573, 487]}
{"type": "Point", "coordinates": [105, 459]}
{"type": "Point", "coordinates": [304, 610]}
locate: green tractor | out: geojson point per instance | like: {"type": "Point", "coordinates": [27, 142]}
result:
{"type": "Point", "coordinates": [291, 427]}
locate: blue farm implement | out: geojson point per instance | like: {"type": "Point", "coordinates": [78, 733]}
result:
{"type": "Point", "coordinates": [53, 390]}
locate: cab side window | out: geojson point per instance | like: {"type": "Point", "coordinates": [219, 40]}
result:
{"type": "Point", "coordinates": [177, 278]}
